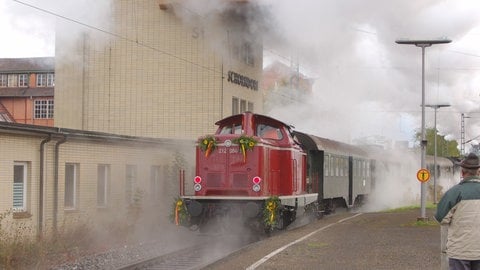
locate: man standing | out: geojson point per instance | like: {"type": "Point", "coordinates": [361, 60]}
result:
{"type": "Point", "coordinates": [459, 208]}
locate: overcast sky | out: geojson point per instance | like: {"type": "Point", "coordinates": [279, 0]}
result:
{"type": "Point", "coordinates": [365, 83]}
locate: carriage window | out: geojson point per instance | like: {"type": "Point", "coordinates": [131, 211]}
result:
{"type": "Point", "coordinates": [332, 166]}
{"type": "Point", "coordinates": [269, 132]}
{"type": "Point", "coordinates": [340, 164]}
{"type": "Point", "coordinates": [365, 168]}
{"type": "Point", "coordinates": [337, 166]}
{"type": "Point", "coordinates": [358, 169]}
{"type": "Point", "coordinates": [325, 165]}
{"type": "Point", "coordinates": [368, 169]}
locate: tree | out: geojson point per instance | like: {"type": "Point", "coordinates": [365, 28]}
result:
{"type": "Point", "coordinates": [445, 148]}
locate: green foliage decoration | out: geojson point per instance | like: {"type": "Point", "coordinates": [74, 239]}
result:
{"type": "Point", "coordinates": [180, 214]}
{"type": "Point", "coordinates": [270, 211]}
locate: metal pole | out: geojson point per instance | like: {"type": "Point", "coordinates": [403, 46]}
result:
{"type": "Point", "coordinates": [435, 160]}
{"type": "Point", "coordinates": [423, 144]}
{"type": "Point", "coordinates": [462, 134]}
{"type": "Point", "coordinates": [423, 44]}
{"type": "Point", "coordinates": [435, 107]}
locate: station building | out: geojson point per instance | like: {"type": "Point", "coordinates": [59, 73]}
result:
{"type": "Point", "coordinates": [131, 99]}
{"type": "Point", "coordinates": [159, 70]}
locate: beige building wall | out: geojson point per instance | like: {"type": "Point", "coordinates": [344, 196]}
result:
{"type": "Point", "coordinates": [157, 74]}
{"type": "Point", "coordinates": [27, 152]}
{"type": "Point", "coordinates": [87, 152]}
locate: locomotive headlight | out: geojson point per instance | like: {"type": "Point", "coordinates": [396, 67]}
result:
{"type": "Point", "coordinates": [256, 183]}
{"type": "Point", "coordinates": [197, 179]}
{"type": "Point", "coordinates": [256, 180]}
{"type": "Point", "coordinates": [197, 187]}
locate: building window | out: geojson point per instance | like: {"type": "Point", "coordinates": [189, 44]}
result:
{"type": "Point", "coordinates": [43, 109]}
{"type": "Point", "coordinates": [22, 80]}
{"type": "Point", "coordinates": [248, 56]}
{"type": "Point", "coordinates": [3, 80]}
{"type": "Point", "coordinates": [235, 109]}
{"type": "Point", "coordinates": [71, 182]}
{"type": "Point", "coordinates": [20, 186]}
{"type": "Point", "coordinates": [155, 183]}
{"type": "Point", "coordinates": [244, 53]}
{"type": "Point", "coordinates": [12, 80]}
{"type": "Point", "coordinates": [103, 176]}
{"type": "Point", "coordinates": [243, 105]}
{"type": "Point", "coordinates": [45, 80]}
{"type": "Point", "coordinates": [130, 179]}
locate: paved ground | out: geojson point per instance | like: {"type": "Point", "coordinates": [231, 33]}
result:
{"type": "Point", "coordinates": [387, 240]}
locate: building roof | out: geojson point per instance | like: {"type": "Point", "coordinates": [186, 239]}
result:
{"type": "Point", "coordinates": [35, 64]}
{"type": "Point", "coordinates": [57, 132]}
{"type": "Point", "coordinates": [27, 92]}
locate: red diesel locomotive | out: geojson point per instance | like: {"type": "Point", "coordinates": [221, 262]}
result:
{"type": "Point", "coordinates": [257, 171]}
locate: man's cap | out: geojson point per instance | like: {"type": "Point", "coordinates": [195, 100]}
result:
{"type": "Point", "coordinates": [470, 162]}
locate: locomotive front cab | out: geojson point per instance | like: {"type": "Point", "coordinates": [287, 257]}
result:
{"type": "Point", "coordinates": [250, 155]}
{"type": "Point", "coordinates": [251, 165]}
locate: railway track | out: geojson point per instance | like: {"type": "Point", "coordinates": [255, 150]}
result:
{"type": "Point", "coordinates": [189, 258]}
{"type": "Point", "coordinates": [193, 257]}
{"type": "Point", "coordinates": [201, 255]}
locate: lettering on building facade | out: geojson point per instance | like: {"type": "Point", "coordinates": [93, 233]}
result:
{"type": "Point", "coordinates": [242, 80]}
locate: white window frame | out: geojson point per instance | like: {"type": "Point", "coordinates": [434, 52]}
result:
{"type": "Point", "coordinates": [103, 178]}
{"type": "Point", "coordinates": [43, 109]}
{"type": "Point", "coordinates": [50, 79]}
{"type": "Point", "coordinates": [20, 188]}
{"type": "Point", "coordinates": [3, 80]}
{"type": "Point", "coordinates": [155, 182]}
{"type": "Point", "coordinates": [71, 193]}
{"type": "Point", "coordinates": [130, 183]}
{"type": "Point", "coordinates": [244, 53]}
{"type": "Point", "coordinates": [22, 80]}
{"type": "Point", "coordinates": [12, 80]}
{"type": "Point", "coordinates": [235, 106]}
{"type": "Point", "coordinates": [45, 80]}
{"type": "Point", "coordinates": [243, 105]}
{"type": "Point", "coordinates": [248, 55]}
{"type": "Point", "coordinates": [41, 79]}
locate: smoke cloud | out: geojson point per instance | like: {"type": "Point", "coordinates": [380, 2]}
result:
{"type": "Point", "coordinates": [365, 83]}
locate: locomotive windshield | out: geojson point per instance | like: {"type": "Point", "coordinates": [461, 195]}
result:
{"type": "Point", "coordinates": [269, 132]}
{"type": "Point", "coordinates": [231, 129]}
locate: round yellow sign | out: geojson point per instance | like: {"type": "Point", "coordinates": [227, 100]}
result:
{"type": "Point", "coordinates": [423, 175]}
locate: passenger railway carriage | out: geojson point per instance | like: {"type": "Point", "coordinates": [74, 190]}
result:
{"type": "Point", "coordinates": [259, 170]}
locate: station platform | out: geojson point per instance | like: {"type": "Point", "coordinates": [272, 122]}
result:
{"type": "Point", "coordinates": [380, 240]}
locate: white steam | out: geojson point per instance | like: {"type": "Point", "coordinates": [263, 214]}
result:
{"type": "Point", "coordinates": [365, 83]}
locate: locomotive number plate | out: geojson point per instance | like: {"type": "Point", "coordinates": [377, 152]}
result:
{"type": "Point", "coordinates": [230, 150]}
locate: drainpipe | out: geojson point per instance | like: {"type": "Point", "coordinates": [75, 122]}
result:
{"type": "Point", "coordinates": [42, 176]}
{"type": "Point", "coordinates": [55, 182]}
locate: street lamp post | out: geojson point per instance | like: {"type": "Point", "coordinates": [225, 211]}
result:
{"type": "Point", "coordinates": [423, 44]}
{"type": "Point", "coordinates": [435, 107]}
{"type": "Point", "coordinates": [462, 133]}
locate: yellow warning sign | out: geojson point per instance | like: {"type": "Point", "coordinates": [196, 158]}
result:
{"type": "Point", "coordinates": [423, 175]}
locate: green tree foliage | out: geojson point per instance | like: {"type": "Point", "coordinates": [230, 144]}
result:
{"type": "Point", "coordinates": [445, 148]}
